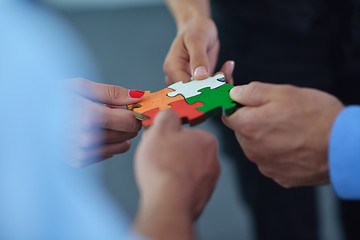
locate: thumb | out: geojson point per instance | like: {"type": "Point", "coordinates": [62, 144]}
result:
{"type": "Point", "coordinates": [105, 93]}
{"type": "Point", "coordinates": [253, 94]}
{"type": "Point", "coordinates": [166, 120]}
{"type": "Point", "coordinates": [199, 61]}
{"type": "Point", "coordinates": [227, 69]}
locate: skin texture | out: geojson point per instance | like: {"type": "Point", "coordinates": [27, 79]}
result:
{"type": "Point", "coordinates": [104, 127]}
{"type": "Point", "coordinates": [285, 131]}
{"type": "Point", "coordinates": [194, 51]}
{"type": "Point", "coordinates": [176, 171]}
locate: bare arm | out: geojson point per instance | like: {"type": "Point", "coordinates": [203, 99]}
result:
{"type": "Point", "coordinates": [184, 10]}
{"type": "Point", "coordinates": [165, 216]}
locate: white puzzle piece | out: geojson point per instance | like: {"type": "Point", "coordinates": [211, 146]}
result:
{"type": "Point", "coordinates": [190, 89]}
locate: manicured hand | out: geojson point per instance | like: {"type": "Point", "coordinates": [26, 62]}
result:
{"type": "Point", "coordinates": [285, 131]}
{"type": "Point", "coordinates": [103, 125]}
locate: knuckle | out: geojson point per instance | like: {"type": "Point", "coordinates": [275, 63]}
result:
{"type": "Point", "coordinates": [125, 147]}
{"type": "Point", "coordinates": [248, 130]}
{"type": "Point", "coordinates": [287, 185]}
{"type": "Point", "coordinates": [113, 92]}
{"type": "Point", "coordinates": [211, 140]}
{"type": "Point", "coordinates": [254, 84]}
{"type": "Point", "coordinates": [165, 67]}
{"type": "Point", "coordinates": [194, 37]}
{"type": "Point", "coordinates": [252, 155]}
{"type": "Point", "coordinates": [254, 87]}
{"type": "Point", "coordinates": [170, 69]}
{"type": "Point", "coordinates": [207, 139]}
{"type": "Point", "coordinates": [284, 183]}
{"type": "Point", "coordinates": [265, 171]}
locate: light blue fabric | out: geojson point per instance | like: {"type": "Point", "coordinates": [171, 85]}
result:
{"type": "Point", "coordinates": [344, 154]}
{"type": "Point", "coordinates": [41, 197]}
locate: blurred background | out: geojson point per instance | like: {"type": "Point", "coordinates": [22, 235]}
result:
{"type": "Point", "coordinates": [129, 40]}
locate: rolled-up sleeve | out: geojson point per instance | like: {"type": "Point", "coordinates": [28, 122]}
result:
{"type": "Point", "coordinates": [344, 153]}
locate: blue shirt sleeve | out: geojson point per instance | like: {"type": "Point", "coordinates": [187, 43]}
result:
{"type": "Point", "coordinates": [344, 153]}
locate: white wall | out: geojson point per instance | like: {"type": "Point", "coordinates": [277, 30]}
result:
{"type": "Point", "coordinates": [81, 4]}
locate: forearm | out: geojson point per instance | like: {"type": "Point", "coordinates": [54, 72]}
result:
{"type": "Point", "coordinates": [184, 10]}
{"type": "Point", "coordinates": [165, 215]}
{"type": "Point", "coordinates": [162, 225]}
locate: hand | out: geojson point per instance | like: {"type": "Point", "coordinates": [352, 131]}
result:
{"type": "Point", "coordinates": [102, 131]}
{"type": "Point", "coordinates": [176, 171]}
{"type": "Point", "coordinates": [193, 52]}
{"type": "Point", "coordinates": [285, 131]}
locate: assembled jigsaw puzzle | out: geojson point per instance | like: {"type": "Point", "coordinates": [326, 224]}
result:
{"type": "Point", "coordinates": [193, 101]}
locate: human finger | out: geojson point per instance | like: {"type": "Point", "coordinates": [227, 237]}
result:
{"type": "Point", "coordinates": [199, 59]}
{"type": "Point", "coordinates": [118, 120]}
{"type": "Point", "coordinates": [176, 65]}
{"type": "Point", "coordinates": [253, 94]}
{"type": "Point", "coordinates": [86, 156]}
{"type": "Point", "coordinates": [103, 137]}
{"type": "Point", "coordinates": [227, 69]}
{"type": "Point", "coordinates": [166, 121]}
{"type": "Point", "coordinates": [105, 93]}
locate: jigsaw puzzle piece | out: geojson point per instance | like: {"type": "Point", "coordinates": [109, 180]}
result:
{"type": "Point", "coordinates": [158, 99]}
{"type": "Point", "coordinates": [216, 101]}
{"type": "Point", "coordinates": [191, 89]}
{"type": "Point", "coordinates": [186, 112]}
{"type": "Point", "coordinates": [149, 117]}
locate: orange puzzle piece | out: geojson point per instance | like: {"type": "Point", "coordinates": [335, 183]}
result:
{"type": "Point", "coordinates": [153, 100]}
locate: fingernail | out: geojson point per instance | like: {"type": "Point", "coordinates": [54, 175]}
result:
{"type": "Point", "coordinates": [136, 93]}
{"type": "Point", "coordinates": [236, 91]}
{"type": "Point", "coordinates": [200, 71]}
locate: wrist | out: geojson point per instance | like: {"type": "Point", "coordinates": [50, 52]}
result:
{"type": "Point", "coordinates": [185, 11]}
{"type": "Point", "coordinates": [163, 223]}
{"type": "Point", "coordinates": [164, 213]}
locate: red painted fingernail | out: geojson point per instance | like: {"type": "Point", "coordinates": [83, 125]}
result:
{"type": "Point", "coordinates": [136, 93]}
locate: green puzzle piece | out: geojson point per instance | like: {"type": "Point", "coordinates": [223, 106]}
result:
{"type": "Point", "coordinates": [215, 101]}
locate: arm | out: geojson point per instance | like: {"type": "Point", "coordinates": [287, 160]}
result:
{"type": "Point", "coordinates": [344, 153]}
{"type": "Point", "coordinates": [163, 216]}
{"type": "Point", "coordinates": [185, 10]}
{"type": "Point", "coordinates": [176, 171]}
